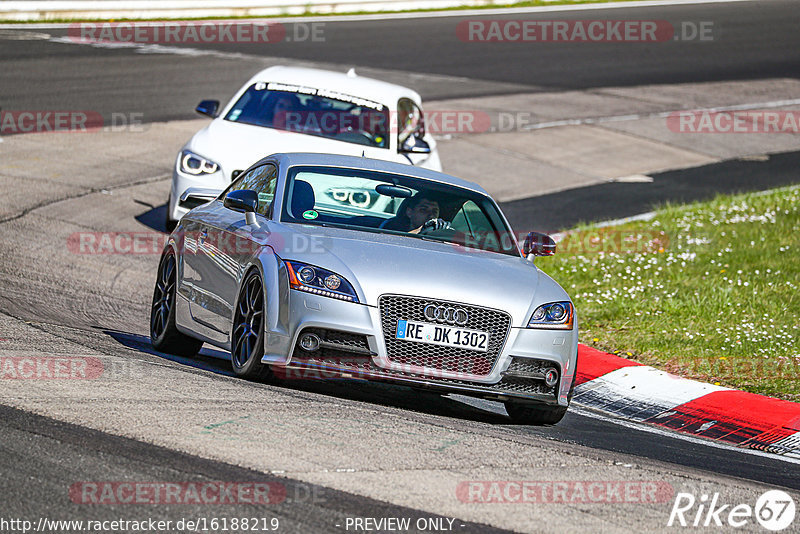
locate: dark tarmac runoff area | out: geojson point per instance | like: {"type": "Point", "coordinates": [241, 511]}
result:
{"type": "Point", "coordinates": [617, 200]}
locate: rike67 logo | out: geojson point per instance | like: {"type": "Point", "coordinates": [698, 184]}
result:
{"type": "Point", "coordinates": [774, 510]}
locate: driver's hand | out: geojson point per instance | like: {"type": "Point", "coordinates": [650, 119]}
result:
{"type": "Point", "coordinates": [435, 224]}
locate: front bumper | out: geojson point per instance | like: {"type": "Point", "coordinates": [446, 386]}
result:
{"type": "Point", "coordinates": [357, 349]}
{"type": "Point", "coordinates": [181, 182]}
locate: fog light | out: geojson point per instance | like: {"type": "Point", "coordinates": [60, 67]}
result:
{"type": "Point", "coordinates": [551, 377]}
{"type": "Point", "coordinates": [309, 342]}
{"type": "Point", "coordinates": [333, 282]}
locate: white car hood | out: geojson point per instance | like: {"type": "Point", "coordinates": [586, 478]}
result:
{"type": "Point", "coordinates": [236, 146]}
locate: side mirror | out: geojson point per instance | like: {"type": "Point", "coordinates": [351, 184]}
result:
{"type": "Point", "coordinates": [415, 145]}
{"type": "Point", "coordinates": [208, 107]}
{"type": "Point", "coordinates": [244, 200]}
{"type": "Point", "coordinates": [539, 245]}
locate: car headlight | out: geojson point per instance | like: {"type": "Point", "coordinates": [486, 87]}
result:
{"type": "Point", "coordinates": [319, 281]}
{"type": "Point", "coordinates": [556, 315]}
{"type": "Point", "coordinates": [191, 163]}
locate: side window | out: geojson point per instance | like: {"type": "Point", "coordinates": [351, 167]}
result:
{"type": "Point", "coordinates": [409, 120]}
{"type": "Point", "coordinates": [471, 220]}
{"type": "Point", "coordinates": [262, 180]}
{"type": "Point", "coordinates": [479, 230]}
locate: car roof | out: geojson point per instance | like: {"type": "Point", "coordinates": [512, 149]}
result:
{"type": "Point", "coordinates": [353, 85]}
{"type": "Point", "coordinates": [363, 163]}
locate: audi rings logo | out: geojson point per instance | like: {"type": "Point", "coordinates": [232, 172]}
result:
{"type": "Point", "coordinates": [446, 314]}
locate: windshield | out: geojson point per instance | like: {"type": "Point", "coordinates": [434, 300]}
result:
{"type": "Point", "coordinates": [389, 203]}
{"type": "Point", "coordinates": [313, 112]}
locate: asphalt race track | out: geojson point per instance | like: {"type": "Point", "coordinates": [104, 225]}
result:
{"type": "Point", "coordinates": [40, 74]}
{"type": "Point", "coordinates": [340, 450]}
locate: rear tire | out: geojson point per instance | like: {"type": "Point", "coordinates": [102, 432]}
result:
{"type": "Point", "coordinates": [164, 335]}
{"type": "Point", "coordinates": [247, 337]}
{"type": "Point", "coordinates": [535, 414]}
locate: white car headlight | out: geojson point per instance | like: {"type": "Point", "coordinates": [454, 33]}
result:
{"type": "Point", "coordinates": [191, 163]}
{"type": "Point", "coordinates": [556, 315]}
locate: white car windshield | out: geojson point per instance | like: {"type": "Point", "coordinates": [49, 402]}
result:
{"type": "Point", "coordinates": [313, 112]}
{"type": "Point", "coordinates": [389, 203]}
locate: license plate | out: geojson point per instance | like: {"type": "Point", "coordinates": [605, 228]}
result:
{"type": "Point", "coordinates": [448, 336]}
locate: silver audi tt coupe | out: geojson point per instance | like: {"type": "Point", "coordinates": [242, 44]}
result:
{"type": "Point", "coordinates": [339, 267]}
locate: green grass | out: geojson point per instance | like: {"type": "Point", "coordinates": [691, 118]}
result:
{"type": "Point", "coordinates": [310, 13]}
{"type": "Point", "coordinates": [710, 290]}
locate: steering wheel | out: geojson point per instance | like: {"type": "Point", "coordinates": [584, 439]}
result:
{"type": "Point", "coordinates": [436, 226]}
{"type": "Point", "coordinates": [368, 136]}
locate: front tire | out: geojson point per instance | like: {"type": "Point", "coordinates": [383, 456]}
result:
{"type": "Point", "coordinates": [247, 339]}
{"type": "Point", "coordinates": [534, 414]}
{"type": "Point", "coordinates": [540, 414]}
{"type": "Point", "coordinates": [169, 224]}
{"type": "Point", "coordinates": [164, 335]}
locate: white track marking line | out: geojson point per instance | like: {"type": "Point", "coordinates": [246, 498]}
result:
{"type": "Point", "coordinates": [437, 14]}
{"type": "Point", "coordinates": [790, 442]}
{"type": "Point", "coordinates": [633, 179]}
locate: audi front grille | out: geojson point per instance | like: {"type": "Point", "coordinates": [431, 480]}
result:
{"type": "Point", "coordinates": [439, 358]}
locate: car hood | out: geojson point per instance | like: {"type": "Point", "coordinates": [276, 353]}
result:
{"type": "Point", "coordinates": [236, 146]}
{"type": "Point", "coordinates": [378, 264]}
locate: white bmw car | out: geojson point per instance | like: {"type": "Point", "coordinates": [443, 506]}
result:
{"type": "Point", "coordinates": [292, 109]}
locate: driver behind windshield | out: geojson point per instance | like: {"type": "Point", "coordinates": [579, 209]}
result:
{"type": "Point", "coordinates": [419, 213]}
{"type": "Point", "coordinates": [278, 106]}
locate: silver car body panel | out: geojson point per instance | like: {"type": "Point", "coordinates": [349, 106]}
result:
{"type": "Point", "coordinates": [211, 271]}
